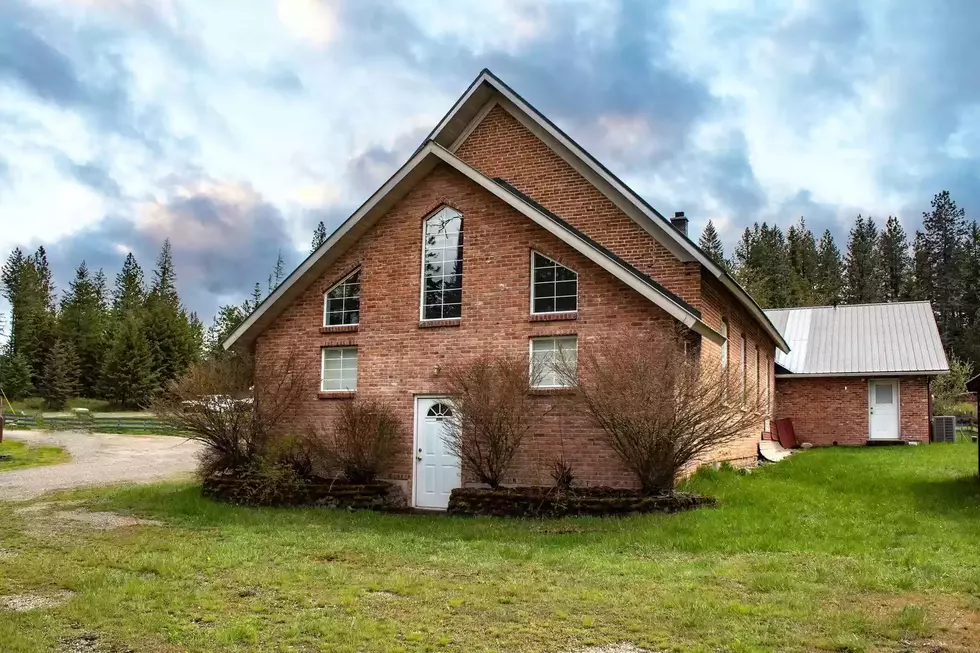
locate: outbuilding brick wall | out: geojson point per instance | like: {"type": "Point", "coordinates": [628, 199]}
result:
{"type": "Point", "coordinates": [828, 411]}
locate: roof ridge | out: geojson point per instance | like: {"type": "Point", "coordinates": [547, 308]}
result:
{"type": "Point", "coordinates": [836, 306]}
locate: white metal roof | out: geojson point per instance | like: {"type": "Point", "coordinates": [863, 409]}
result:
{"type": "Point", "coordinates": [896, 338]}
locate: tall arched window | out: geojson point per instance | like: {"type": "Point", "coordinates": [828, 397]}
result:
{"type": "Point", "coordinates": [442, 265]}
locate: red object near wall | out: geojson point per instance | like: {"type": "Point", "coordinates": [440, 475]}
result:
{"type": "Point", "coordinates": [785, 433]}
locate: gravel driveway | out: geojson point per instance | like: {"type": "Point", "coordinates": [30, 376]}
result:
{"type": "Point", "coordinates": [98, 459]}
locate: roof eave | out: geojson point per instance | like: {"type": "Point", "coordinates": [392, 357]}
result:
{"type": "Point", "coordinates": [877, 374]}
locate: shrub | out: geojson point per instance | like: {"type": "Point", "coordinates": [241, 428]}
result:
{"type": "Point", "coordinates": [492, 413]}
{"type": "Point", "coordinates": [263, 482]}
{"type": "Point", "coordinates": [214, 403]}
{"type": "Point", "coordinates": [362, 440]}
{"type": "Point", "coordinates": [562, 474]}
{"type": "Point", "coordinates": [657, 407]}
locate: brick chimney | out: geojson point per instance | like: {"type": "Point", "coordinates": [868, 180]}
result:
{"type": "Point", "coordinates": [679, 222]}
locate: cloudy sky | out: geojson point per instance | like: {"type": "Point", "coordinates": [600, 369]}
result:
{"type": "Point", "coordinates": [233, 126]}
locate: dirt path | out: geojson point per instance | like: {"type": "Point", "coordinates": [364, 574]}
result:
{"type": "Point", "coordinates": [98, 459]}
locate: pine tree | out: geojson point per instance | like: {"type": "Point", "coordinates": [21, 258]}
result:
{"type": "Point", "coordinates": [921, 285]}
{"type": "Point", "coordinates": [319, 236]}
{"type": "Point", "coordinates": [226, 320]}
{"type": "Point", "coordinates": [128, 379]}
{"type": "Point", "coordinates": [829, 287]}
{"type": "Point", "coordinates": [27, 286]}
{"type": "Point", "coordinates": [60, 376]}
{"type": "Point", "coordinates": [944, 230]}
{"type": "Point", "coordinates": [15, 375]}
{"type": "Point", "coordinates": [710, 243]}
{"type": "Point", "coordinates": [969, 345]}
{"type": "Point", "coordinates": [82, 323]}
{"type": "Point", "coordinates": [861, 271]}
{"type": "Point", "coordinates": [894, 262]}
{"type": "Point", "coordinates": [130, 292]}
{"type": "Point", "coordinates": [277, 274]}
{"type": "Point", "coordinates": [166, 324]}
{"type": "Point", "coordinates": [803, 258]}
{"type": "Point", "coordinates": [762, 265]}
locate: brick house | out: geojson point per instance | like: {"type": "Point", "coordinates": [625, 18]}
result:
{"type": "Point", "coordinates": [858, 374]}
{"type": "Point", "coordinates": [558, 253]}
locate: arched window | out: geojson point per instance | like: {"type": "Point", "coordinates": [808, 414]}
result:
{"type": "Point", "coordinates": [439, 412]}
{"type": "Point", "coordinates": [442, 265]}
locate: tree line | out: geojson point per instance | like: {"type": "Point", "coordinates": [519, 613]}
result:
{"type": "Point", "coordinates": [879, 264]}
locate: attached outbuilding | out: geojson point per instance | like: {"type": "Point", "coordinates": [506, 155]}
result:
{"type": "Point", "coordinates": [858, 374]}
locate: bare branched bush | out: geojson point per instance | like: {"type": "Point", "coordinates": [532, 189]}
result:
{"type": "Point", "coordinates": [215, 404]}
{"type": "Point", "coordinates": [362, 440]}
{"type": "Point", "coordinates": [492, 412]}
{"type": "Point", "coordinates": [657, 406]}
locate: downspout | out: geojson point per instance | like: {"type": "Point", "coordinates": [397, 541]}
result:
{"type": "Point", "coordinates": [929, 404]}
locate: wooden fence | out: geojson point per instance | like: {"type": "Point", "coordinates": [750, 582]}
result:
{"type": "Point", "coordinates": [93, 423]}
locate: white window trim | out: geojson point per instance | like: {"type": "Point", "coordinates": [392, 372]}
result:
{"type": "Point", "coordinates": [331, 289]}
{"type": "Point", "coordinates": [422, 317]}
{"type": "Point", "coordinates": [323, 368]}
{"type": "Point", "coordinates": [530, 347]}
{"type": "Point", "coordinates": [724, 345]}
{"type": "Point", "coordinates": [743, 368]}
{"type": "Point", "coordinates": [533, 312]}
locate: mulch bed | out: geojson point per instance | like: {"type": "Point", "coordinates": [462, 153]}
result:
{"type": "Point", "coordinates": [548, 502]}
{"type": "Point", "coordinates": [317, 492]}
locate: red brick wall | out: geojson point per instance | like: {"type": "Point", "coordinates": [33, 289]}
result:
{"type": "Point", "coordinates": [398, 359]}
{"type": "Point", "coordinates": [835, 410]}
{"type": "Point", "coordinates": [502, 147]}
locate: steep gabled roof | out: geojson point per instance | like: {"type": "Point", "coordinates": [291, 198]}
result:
{"type": "Point", "coordinates": [858, 340]}
{"type": "Point", "coordinates": [421, 163]}
{"type": "Point", "coordinates": [488, 89]}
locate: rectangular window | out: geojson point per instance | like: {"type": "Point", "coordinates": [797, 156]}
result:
{"type": "Point", "coordinates": [758, 379]}
{"type": "Point", "coordinates": [342, 303]}
{"type": "Point", "coordinates": [724, 345]}
{"type": "Point", "coordinates": [442, 266]}
{"type": "Point", "coordinates": [549, 357]}
{"type": "Point", "coordinates": [742, 366]}
{"type": "Point", "coordinates": [768, 386]}
{"type": "Point", "coordinates": [554, 287]}
{"type": "Point", "coordinates": [339, 369]}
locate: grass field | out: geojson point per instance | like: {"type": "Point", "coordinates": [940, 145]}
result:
{"type": "Point", "coordinates": [840, 550]}
{"type": "Point", "coordinates": [25, 456]}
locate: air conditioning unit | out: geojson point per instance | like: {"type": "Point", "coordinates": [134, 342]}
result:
{"type": "Point", "coordinates": [944, 428]}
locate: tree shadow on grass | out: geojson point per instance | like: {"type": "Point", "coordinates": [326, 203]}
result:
{"type": "Point", "coordinates": [959, 496]}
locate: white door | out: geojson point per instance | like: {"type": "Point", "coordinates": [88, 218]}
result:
{"type": "Point", "coordinates": [883, 410]}
{"type": "Point", "coordinates": [437, 470]}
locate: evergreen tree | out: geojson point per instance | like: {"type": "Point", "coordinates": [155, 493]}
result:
{"type": "Point", "coordinates": [226, 320]}
{"type": "Point", "coordinates": [921, 285]}
{"type": "Point", "coordinates": [861, 271]}
{"type": "Point", "coordinates": [829, 286]}
{"type": "Point", "coordinates": [60, 376]}
{"type": "Point", "coordinates": [82, 323]}
{"type": "Point", "coordinates": [710, 243]}
{"type": "Point", "coordinates": [27, 286]}
{"type": "Point", "coordinates": [969, 346]}
{"type": "Point", "coordinates": [166, 324]}
{"type": "Point", "coordinates": [803, 261]}
{"type": "Point", "coordinates": [130, 292]}
{"type": "Point", "coordinates": [256, 299]}
{"type": "Point", "coordinates": [277, 274]}
{"type": "Point", "coordinates": [319, 236]}
{"type": "Point", "coordinates": [762, 265]}
{"type": "Point", "coordinates": [15, 375]}
{"type": "Point", "coordinates": [128, 379]}
{"type": "Point", "coordinates": [944, 230]}
{"type": "Point", "coordinates": [894, 262]}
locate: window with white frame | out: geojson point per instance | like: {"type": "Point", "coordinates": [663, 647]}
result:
{"type": "Point", "coordinates": [742, 366]}
{"type": "Point", "coordinates": [442, 265]}
{"type": "Point", "coordinates": [551, 359]}
{"type": "Point", "coordinates": [724, 345]}
{"type": "Point", "coordinates": [342, 303]}
{"type": "Point", "coordinates": [339, 369]}
{"type": "Point", "coordinates": [554, 287]}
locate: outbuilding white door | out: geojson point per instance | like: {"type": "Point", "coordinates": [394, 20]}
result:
{"type": "Point", "coordinates": [883, 409]}
{"type": "Point", "coordinates": [437, 470]}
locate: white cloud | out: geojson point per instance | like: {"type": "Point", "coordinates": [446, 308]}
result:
{"type": "Point", "coordinates": [313, 21]}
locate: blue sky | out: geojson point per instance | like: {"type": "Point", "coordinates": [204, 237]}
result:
{"type": "Point", "coordinates": [233, 127]}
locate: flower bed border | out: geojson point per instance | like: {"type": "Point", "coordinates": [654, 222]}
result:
{"type": "Point", "coordinates": [548, 502]}
{"type": "Point", "coordinates": [318, 492]}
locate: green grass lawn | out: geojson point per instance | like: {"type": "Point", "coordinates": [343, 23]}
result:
{"type": "Point", "coordinates": [840, 550]}
{"type": "Point", "coordinates": [26, 456]}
